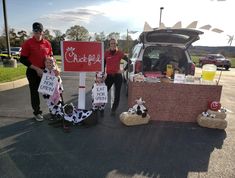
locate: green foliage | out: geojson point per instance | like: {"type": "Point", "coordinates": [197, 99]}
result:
{"type": "Point", "coordinates": [114, 35]}
{"type": "Point", "coordinates": [232, 61]}
{"type": "Point", "coordinates": [10, 74]}
{"type": "Point", "coordinates": [195, 59]}
{"type": "Point", "coordinates": [77, 33]}
{"type": "Point", "coordinates": [55, 42]}
{"type": "Point", "coordinates": [47, 35]}
{"type": "Point", "coordinates": [99, 36]}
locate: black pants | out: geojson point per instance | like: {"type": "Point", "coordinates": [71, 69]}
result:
{"type": "Point", "coordinates": [115, 79]}
{"type": "Point", "coordinates": [34, 81]}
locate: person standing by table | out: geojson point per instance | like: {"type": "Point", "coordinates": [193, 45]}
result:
{"type": "Point", "coordinates": [33, 53]}
{"type": "Point", "coordinates": [112, 59]}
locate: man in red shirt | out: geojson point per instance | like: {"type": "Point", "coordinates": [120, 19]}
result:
{"type": "Point", "coordinates": [112, 58]}
{"type": "Point", "coordinates": [33, 53]}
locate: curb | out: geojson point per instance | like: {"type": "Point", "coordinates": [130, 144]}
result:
{"type": "Point", "coordinates": [13, 84]}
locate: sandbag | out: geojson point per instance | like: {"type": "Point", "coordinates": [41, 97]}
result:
{"type": "Point", "coordinates": [129, 119]}
{"type": "Point", "coordinates": [213, 123]}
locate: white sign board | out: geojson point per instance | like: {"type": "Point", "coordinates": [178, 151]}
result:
{"type": "Point", "coordinates": [48, 84]}
{"type": "Point", "coordinates": [179, 78]}
{"type": "Point", "coordinates": [100, 94]}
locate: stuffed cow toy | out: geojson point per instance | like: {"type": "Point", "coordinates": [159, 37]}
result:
{"type": "Point", "coordinates": [139, 108]}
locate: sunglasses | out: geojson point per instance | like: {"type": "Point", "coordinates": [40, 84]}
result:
{"type": "Point", "coordinates": [37, 31]}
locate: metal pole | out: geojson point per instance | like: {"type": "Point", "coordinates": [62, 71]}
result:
{"type": "Point", "coordinates": [160, 20]}
{"type": "Point", "coordinates": [6, 28]}
{"type": "Point", "coordinates": [127, 41]}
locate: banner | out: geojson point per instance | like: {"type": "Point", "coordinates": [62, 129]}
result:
{"type": "Point", "coordinates": [82, 56]}
{"type": "Point", "coordinates": [100, 94]}
{"type": "Point", "coordinates": [48, 84]}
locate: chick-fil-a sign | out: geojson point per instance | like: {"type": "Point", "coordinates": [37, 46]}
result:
{"type": "Point", "coordinates": [82, 56]}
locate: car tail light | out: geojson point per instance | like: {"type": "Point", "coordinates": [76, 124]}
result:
{"type": "Point", "coordinates": [138, 66]}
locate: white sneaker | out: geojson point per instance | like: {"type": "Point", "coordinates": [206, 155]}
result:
{"type": "Point", "coordinates": [39, 117]}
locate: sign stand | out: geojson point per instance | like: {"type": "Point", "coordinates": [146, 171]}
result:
{"type": "Point", "coordinates": [112, 95]}
{"type": "Point", "coordinates": [82, 90]}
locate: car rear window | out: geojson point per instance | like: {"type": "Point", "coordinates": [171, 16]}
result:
{"type": "Point", "coordinates": [156, 58]}
{"type": "Point", "coordinates": [167, 38]}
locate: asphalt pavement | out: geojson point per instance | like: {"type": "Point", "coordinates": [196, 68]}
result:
{"type": "Point", "coordinates": [29, 149]}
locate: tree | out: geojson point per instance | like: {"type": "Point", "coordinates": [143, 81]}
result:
{"type": "Point", "coordinates": [55, 42]}
{"type": "Point", "coordinates": [3, 43]}
{"type": "Point", "coordinates": [100, 36]}
{"type": "Point", "coordinates": [77, 33]}
{"type": "Point", "coordinates": [14, 39]}
{"type": "Point", "coordinates": [47, 35]}
{"type": "Point", "coordinates": [114, 35]}
{"type": "Point", "coordinates": [123, 37]}
{"type": "Point", "coordinates": [22, 36]}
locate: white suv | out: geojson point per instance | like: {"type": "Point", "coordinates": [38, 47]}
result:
{"type": "Point", "coordinates": [160, 47]}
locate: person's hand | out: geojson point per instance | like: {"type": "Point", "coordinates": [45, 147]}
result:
{"type": "Point", "coordinates": [120, 71]}
{"type": "Point", "coordinates": [57, 73]}
{"type": "Point", "coordinates": [39, 72]}
{"type": "Point", "coordinates": [105, 76]}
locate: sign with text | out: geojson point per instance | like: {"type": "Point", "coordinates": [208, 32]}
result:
{"type": "Point", "coordinates": [100, 94]}
{"type": "Point", "coordinates": [80, 56]}
{"type": "Point", "coordinates": [179, 78]}
{"type": "Point", "coordinates": [48, 84]}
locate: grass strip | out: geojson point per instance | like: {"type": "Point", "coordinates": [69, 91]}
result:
{"type": "Point", "coordinates": [8, 74]}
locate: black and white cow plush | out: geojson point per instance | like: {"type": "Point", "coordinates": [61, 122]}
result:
{"type": "Point", "coordinates": [76, 116]}
{"type": "Point", "coordinates": [139, 108]}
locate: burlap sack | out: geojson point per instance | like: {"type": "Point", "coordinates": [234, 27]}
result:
{"type": "Point", "coordinates": [213, 123]}
{"type": "Point", "coordinates": [133, 119]}
{"type": "Point", "coordinates": [218, 115]}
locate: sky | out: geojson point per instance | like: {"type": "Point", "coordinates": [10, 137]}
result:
{"type": "Point", "coordinates": [121, 15]}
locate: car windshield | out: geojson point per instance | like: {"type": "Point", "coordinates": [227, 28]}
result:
{"type": "Point", "coordinates": [219, 57]}
{"type": "Point", "coordinates": [156, 59]}
{"type": "Point", "coordinates": [216, 57]}
{"type": "Point", "coordinates": [15, 49]}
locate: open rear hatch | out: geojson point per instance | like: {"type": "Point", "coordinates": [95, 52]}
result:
{"type": "Point", "coordinates": [175, 37]}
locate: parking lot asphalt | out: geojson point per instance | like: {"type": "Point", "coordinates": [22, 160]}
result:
{"type": "Point", "coordinates": [110, 149]}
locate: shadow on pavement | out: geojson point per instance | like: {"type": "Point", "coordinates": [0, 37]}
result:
{"type": "Point", "coordinates": [30, 149]}
{"type": "Point", "coordinates": [109, 149]}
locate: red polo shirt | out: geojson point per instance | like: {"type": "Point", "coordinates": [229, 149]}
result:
{"type": "Point", "coordinates": [36, 51]}
{"type": "Point", "coordinates": [113, 61]}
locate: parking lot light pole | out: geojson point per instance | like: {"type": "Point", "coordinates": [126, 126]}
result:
{"type": "Point", "coordinates": [160, 19]}
{"type": "Point", "coordinates": [127, 38]}
{"type": "Point", "coordinates": [6, 28]}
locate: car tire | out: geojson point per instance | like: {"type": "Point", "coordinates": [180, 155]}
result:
{"type": "Point", "coordinates": [126, 89]}
{"type": "Point", "coordinates": [226, 67]}
{"type": "Point", "coordinates": [123, 78]}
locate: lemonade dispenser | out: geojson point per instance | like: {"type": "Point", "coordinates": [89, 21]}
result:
{"type": "Point", "coordinates": [208, 72]}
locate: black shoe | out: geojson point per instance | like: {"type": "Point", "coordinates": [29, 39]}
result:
{"type": "Point", "coordinates": [52, 117]}
{"type": "Point", "coordinates": [39, 117]}
{"type": "Point", "coordinates": [113, 112]}
{"type": "Point", "coordinates": [114, 108]}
